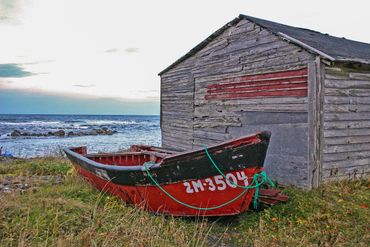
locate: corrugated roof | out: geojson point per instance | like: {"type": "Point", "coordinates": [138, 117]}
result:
{"type": "Point", "coordinates": [333, 48]}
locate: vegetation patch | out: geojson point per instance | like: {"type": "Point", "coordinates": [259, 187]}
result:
{"type": "Point", "coordinates": [72, 213]}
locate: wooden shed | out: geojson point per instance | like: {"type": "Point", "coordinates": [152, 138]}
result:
{"type": "Point", "coordinates": [311, 90]}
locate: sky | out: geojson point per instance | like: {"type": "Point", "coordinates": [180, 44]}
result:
{"type": "Point", "coordinates": [103, 57]}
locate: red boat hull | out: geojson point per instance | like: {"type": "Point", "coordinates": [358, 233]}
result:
{"type": "Point", "coordinates": [152, 199]}
{"type": "Point", "coordinates": [179, 184]}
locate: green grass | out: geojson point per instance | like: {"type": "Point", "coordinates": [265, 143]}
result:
{"type": "Point", "coordinates": [333, 215]}
{"type": "Point", "coordinates": [74, 214]}
{"type": "Point", "coordinates": [36, 166]}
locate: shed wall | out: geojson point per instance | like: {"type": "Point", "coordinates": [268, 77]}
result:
{"type": "Point", "coordinates": [177, 106]}
{"type": "Point", "coordinates": [244, 49]}
{"type": "Point", "coordinates": [346, 134]}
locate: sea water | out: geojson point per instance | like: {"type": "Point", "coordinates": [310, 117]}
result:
{"type": "Point", "coordinates": [130, 130]}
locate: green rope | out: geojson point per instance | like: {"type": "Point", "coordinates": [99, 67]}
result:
{"type": "Point", "coordinates": [256, 192]}
{"type": "Point", "coordinates": [224, 176]}
{"type": "Point", "coordinates": [254, 185]}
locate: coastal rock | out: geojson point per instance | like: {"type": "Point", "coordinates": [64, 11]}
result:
{"type": "Point", "coordinates": [19, 185]}
{"type": "Point", "coordinates": [92, 133]}
{"type": "Point", "coordinates": [16, 133]}
{"type": "Point", "coordinates": [105, 131]}
{"type": "Point", "coordinates": [60, 133]}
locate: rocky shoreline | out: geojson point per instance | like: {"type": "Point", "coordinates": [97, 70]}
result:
{"type": "Point", "coordinates": [63, 133]}
{"type": "Point", "coordinates": [21, 184]}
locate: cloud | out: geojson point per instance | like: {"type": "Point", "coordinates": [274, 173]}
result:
{"type": "Point", "coordinates": [9, 9]}
{"type": "Point", "coordinates": [84, 85]}
{"type": "Point", "coordinates": [38, 62]}
{"type": "Point", "coordinates": [132, 50]}
{"type": "Point", "coordinates": [147, 91]}
{"type": "Point", "coordinates": [154, 98]}
{"type": "Point", "coordinates": [12, 70]}
{"type": "Point", "coordinates": [4, 83]}
{"type": "Point", "coordinates": [113, 50]}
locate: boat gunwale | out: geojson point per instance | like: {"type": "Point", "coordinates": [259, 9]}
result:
{"type": "Point", "coordinates": [262, 135]}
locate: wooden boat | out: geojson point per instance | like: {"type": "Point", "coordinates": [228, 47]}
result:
{"type": "Point", "coordinates": [179, 183]}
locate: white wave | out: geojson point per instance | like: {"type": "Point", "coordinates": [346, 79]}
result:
{"type": "Point", "coordinates": [43, 123]}
{"type": "Point", "coordinates": [5, 136]}
{"type": "Point", "coordinates": [110, 122]}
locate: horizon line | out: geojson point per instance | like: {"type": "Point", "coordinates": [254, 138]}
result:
{"type": "Point", "coordinates": [85, 114]}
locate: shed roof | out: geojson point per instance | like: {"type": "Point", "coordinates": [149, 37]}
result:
{"type": "Point", "coordinates": [330, 47]}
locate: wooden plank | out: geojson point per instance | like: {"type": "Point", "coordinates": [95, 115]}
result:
{"type": "Point", "coordinates": [320, 75]}
{"type": "Point", "coordinates": [249, 41]}
{"type": "Point", "coordinates": [228, 110]}
{"type": "Point", "coordinates": [268, 86]}
{"type": "Point", "coordinates": [313, 166]}
{"type": "Point", "coordinates": [284, 62]}
{"type": "Point", "coordinates": [265, 77]}
{"type": "Point", "coordinates": [243, 26]}
{"type": "Point", "coordinates": [347, 163]}
{"type": "Point", "coordinates": [174, 143]}
{"type": "Point", "coordinates": [341, 100]}
{"type": "Point", "coordinates": [218, 69]}
{"type": "Point", "coordinates": [360, 76]}
{"type": "Point", "coordinates": [346, 116]}
{"type": "Point", "coordinates": [211, 122]}
{"type": "Point", "coordinates": [211, 79]}
{"type": "Point", "coordinates": [347, 84]}
{"type": "Point", "coordinates": [217, 44]}
{"type": "Point", "coordinates": [237, 39]}
{"type": "Point", "coordinates": [353, 172]}
{"type": "Point", "coordinates": [184, 125]}
{"type": "Point", "coordinates": [214, 111]}
{"type": "Point", "coordinates": [347, 92]}
{"type": "Point", "coordinates": [221, 129]}
{"type": "Point", "coordinates": [211, 135]}
{"type": "Point", "coordinates": [281, 93]}
{"type": "Point", "coordinates": [346, 108]}
{"type": "Point", "coordinates": [315, 105]}
{"type": "Point", "coordinates": [347, 156]}
{"type": "Point", "coordinates": [347, 140]}
{"type": "Point", "coordinates": [338, 125]}
{"type": "Point", "coordinates": [339, 178]}
{"type": "Point", "coordinates": [260, 118]}
{"type": "Point", "coordinates": [267, 50]}
{"type": "Point", "coordinates": [217, 66]}
{"type": "Point", "coordinates": [177, 132]}
{"type": "Point", "coordinates": [347, 148]}
{"type": "Point", "coordinates": [181, 139]}
{"type": "Point", "coordinates": [258, 101]}
{"type": "Point", "coordinates": [278, 64]}
{"type": "Point", "coordinates": [346, 132]}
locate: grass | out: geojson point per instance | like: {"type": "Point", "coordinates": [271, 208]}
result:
{"type": "Point", "coordinates": [72, 213]}
{"type": "Point", "coordinates": [35, 166]}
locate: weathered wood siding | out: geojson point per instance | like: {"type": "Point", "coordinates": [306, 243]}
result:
{"type": "Point", "coordinates": [346, 130]}
{"type": "Point", "coordinates": [177, 106]}
{"type": "Point", "coordinates": [245, 54]}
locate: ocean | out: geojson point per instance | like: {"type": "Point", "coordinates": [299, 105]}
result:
{"type": "Point", "coordinates": [38, 133]}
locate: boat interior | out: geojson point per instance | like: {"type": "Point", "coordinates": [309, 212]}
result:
{"type": "Point", "coordinates": [136, 155]}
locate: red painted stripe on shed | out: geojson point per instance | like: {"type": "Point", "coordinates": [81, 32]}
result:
{"type": "Point", "coordinates": [291, 83]}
